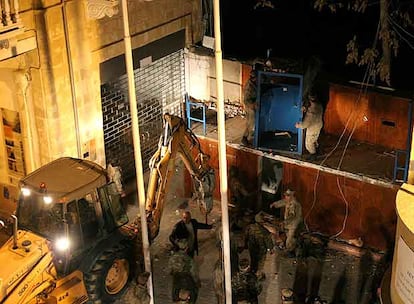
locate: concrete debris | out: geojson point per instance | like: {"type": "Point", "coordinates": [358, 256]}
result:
{"type": "Point", "coordinates": [356, 242]}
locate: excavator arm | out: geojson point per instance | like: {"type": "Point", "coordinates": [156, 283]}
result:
{"type": "Point", "coordinates": [177, 140]}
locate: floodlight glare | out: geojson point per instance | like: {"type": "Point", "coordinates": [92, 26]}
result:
{"type": "Point", "coordinates": [62, 244]}
{"type": "Point", "coordinates": [25, 191]}
{"type": "Point", "coordinates": [47, 199]}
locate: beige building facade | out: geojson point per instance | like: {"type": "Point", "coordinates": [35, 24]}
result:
{"type": "Point", "coordinates": [51, 56]}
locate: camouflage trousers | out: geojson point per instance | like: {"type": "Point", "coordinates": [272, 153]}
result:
{"type": "Point", "coordinates": [291, 239]}
{"type": "Point", "coordinates": [311, 141]}
{"type": "Point", "coordinates": [250, 117]}
{"type": "Point", "coordinates": [257, 260]}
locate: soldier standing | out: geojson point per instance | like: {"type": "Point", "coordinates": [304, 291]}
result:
{"type": "Point", "coordinates": [185, 274]}
{"type": "Point", "coordinates": [292, 218]}
{"type": "Point", "coordinates": [244, 285]}
{"type": "Point", "coordinates": [313, 123]}
{"type": "Point", "coordinates": [259, 242]}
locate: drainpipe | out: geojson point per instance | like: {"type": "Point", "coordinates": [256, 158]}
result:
{"type": "Point", "coordinates": [72, 81]}
{"type": "Point", "coordinates": [222, 152]}
{"type": "Point", "coordinates": [23, 80]}
{"type": "Point", "coordinates": [137, 146]}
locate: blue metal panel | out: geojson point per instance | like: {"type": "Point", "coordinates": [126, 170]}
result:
{"type": "Point", "coordinates": [404, 153]}
{"type": "Point", "coordinates": [189, 105]}
{"type": "Point", "coordinates": [279, 108]}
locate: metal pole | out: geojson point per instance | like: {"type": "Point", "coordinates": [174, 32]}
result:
{"type": "Point", "coordinates": [72, 81]}
{"type": "Point", "coordinates": [222, 151]}
{"type": "Point", "coordinates": [137, 147]}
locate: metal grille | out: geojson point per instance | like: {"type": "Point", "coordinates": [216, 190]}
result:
{"type": "Point", "coordinates": [160, 89]}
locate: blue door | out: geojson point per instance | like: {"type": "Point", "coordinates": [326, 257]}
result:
{"type": "Point", "coordinates": [279, 108]}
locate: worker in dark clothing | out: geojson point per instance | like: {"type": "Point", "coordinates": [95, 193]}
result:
{"type": "Point", "coordinates": [239, 194]}
{"type": "Point", "coordinates": [187, 229]}
{"type": "Point", "coordinates": [244, 285]}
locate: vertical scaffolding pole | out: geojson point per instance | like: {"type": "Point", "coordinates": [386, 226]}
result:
{"type": "Point", "coordinates": [137, 146]}
{"type": "Point", "coordinates": [222, 152]}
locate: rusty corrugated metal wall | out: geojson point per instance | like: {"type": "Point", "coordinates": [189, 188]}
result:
{"type": "Point", "coordinates": [379, 119]}
{"type": "Point", "coordinates": [371, 207]}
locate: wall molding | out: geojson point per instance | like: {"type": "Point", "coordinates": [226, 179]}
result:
{"type": "Point", "coordinates": [97, 9]}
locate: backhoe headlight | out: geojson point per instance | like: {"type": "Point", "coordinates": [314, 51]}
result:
{"type": "Point", "coordinates": [25, 191]}
{"type": "Point", "coordinates": [62, 244]}
{"type": "Point", "coordinates": [47, 199]}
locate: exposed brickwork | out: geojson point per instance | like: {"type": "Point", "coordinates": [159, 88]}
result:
{"type": "Point", "coordinates": [160, 89]}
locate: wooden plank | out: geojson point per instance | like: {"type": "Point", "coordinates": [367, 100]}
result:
{"type": "Point", "coordinates": [375, 118]}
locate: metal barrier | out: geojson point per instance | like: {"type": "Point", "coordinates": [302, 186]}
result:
{"type": "Point", "coordinates": [190, 105]}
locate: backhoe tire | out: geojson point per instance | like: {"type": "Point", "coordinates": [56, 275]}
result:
{"type": "Point", "coordinates": [108, 277]}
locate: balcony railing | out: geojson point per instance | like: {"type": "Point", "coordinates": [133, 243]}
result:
{"type": "Point", "coordinates": [9, 18]}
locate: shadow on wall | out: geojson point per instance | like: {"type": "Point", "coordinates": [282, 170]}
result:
{"type": "Point", "coordinates": [375, 227]}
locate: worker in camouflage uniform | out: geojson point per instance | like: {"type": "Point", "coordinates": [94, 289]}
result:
{"type": "Point", "coordinates": [245, 286]}
{"type": "Point", "coordinates": [140, 290]}
{"type": "Point", "coordinates": [239, 194]}
{"type": "Point", "coordinates": [292, 218]}
{"type": "Point", "coordinates": [185, 274]}
{"type": "Point", "coordinates": [218, 280]}
{"type": "Point", "coordinates": [313, 123]}
{"type": "Point", "coordinates": [250, 104]}
{"type": "Point", "coordinates": [259, 243]}
{"type": "Point", "coordinates": [236, 246]}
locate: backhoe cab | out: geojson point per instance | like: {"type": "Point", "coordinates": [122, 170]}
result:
{"type": "Point", "coordinates": [68, 244]}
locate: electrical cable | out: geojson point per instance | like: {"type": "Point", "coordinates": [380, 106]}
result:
{"type": "Point", "coordinates": [400, 35]}
{"type": "Point", "coordinates": [365, 79]}
{"type": "Point", "coordinates": [369, 67]}
{"type": "Point", "coordinates": [333, 150]}
{"type": "Point", "coordinates": [400, 27]}
{"type": "Point", "coordinates": [346, 211]}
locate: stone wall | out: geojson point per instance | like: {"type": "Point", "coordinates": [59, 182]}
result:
{"type": "Point", "coordinates": [65, 86]}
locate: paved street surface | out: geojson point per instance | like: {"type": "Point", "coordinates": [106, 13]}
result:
{"type": "Point", "coordinates": [334, 276]}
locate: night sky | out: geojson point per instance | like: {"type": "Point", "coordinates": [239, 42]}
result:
{"type": "Point", "coordinates": [294, 29]}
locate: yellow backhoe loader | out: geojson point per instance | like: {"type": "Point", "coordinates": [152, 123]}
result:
{"type": "Point", "coordinates": [70, 240]}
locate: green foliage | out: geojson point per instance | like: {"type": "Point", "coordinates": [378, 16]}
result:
{"type": "Point", "coordinates": [393, 21]}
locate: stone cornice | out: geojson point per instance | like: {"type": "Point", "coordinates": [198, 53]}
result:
{"type": "Point", "coordinates": [97, 9]}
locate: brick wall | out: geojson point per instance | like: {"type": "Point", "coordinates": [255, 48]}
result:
{"type": "Point", "coordinates": [160, 89]}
